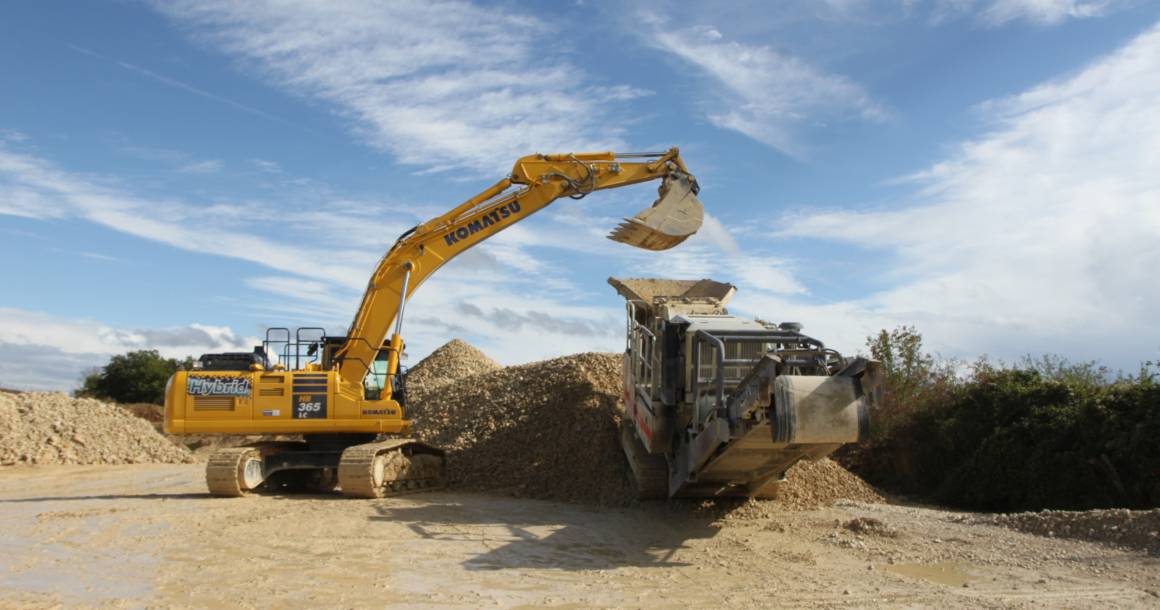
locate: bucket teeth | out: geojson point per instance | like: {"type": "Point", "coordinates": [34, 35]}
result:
{"type": "Point", "coordinates": [629, 231]}
{"type": "Point", "coordinates": [638, 234]}
{"type": "Point", "coordinates": [671, 219]}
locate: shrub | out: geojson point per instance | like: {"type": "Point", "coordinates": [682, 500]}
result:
{"type": "Point", "coordinates": [135, 377]}
{"type": "Point", "coordinates": [1045, 433]}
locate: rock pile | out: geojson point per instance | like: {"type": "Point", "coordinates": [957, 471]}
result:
{"type": "Point", "coordinates": [53, 428]}
{"type": "Point", "coordinates": [870, 526]}
{"type": "Point", "coordinates": [545, 430]}
{"type": "Point", "coordinates": [808, 485]}
{"type": "Point", "coordinates": [456, 360]}
{"type": "Point", "coordinates": [550, 430]}
{"type": "Point", "coordinates": [452, 362]}
{"type": "Point", "coordinates": [1133, 529]}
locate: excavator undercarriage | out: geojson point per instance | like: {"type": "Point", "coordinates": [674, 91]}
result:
{"type": "Point", "coordinates": [362, 467]}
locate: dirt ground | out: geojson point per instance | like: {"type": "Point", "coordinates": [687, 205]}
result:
{"type": "Point", "coordinates": [149, 536]}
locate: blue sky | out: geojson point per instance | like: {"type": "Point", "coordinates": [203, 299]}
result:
{"type": "Point", "coordinates": [182, 175]}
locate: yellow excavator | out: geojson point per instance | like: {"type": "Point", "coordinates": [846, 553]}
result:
{"type": "Point", "coordinates": [341, 393]}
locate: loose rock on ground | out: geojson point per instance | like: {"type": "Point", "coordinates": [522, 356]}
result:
{"type": "Point", "coordinates": [1133, 529]}
{"type": "Point", "coordinates": [54, 428]}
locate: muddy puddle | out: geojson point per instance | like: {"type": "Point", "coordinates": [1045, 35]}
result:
{"type": "Point", "coordinates": [945, 573]}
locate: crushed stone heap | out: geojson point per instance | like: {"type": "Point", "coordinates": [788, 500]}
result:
{"type": "Point", "coordinates": [453, 361]}
{"type": "Point", "coordinates": [1133, 529]}
{"type": "Point", "coordinates": [54, 428]}
{"type": "Point", "coordinates": [808, 486]}
{"type": "Point", "coordinates": [550, 430]}
{"type": "Point", "coordinates": [545, 430]}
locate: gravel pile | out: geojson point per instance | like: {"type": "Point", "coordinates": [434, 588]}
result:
{"type": "Point", "coordinates": [870, 526]}
{"type": "Point", "coordinates": [453, 361]}
{"type": "Point", "coordinates": [546, 430]}
{"type": "Point", "coordinates": [808, 486]}
{"type": "Point", "coordinates": [1133, 529]}
{"type": "Point", "coordinates": [549, 430]}
{"type": "Point", "coordinates": [54, 428]}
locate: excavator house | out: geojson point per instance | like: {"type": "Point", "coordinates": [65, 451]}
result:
{"type": "Point", "coordinates": [341, 393]}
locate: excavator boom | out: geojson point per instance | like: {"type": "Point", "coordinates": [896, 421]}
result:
{"type": "Point", "coordinates": [535, 182]}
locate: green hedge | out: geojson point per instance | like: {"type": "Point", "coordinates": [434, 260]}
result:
{"type": "Point", "coordinates": [1011, 440]}
{"type": "Point", "coordinates": [1029, 437]}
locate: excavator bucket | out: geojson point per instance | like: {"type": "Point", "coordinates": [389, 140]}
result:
{"type": "Point", "coordinates": [673, 217]}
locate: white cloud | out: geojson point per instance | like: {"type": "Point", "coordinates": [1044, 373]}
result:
{"type": "Point", "coordinates": [36, 188]}
{"type": "Point", "coordinates": [45, 352]}
{"type": "Point", "coordinates": [507, 320]}
{"type": "Point", "coordinates": [12, 135]}
{"type": "Point", "coordinates": [202, 167]}
{"type": "Point", "coordinates": [512, 321]}
{"type": "Point", "coordinates": [439, 83]}
{"type": "Point", "coordinates": [267, 166]}
{"type": "Point", "coordinates": [101, 257]}
{"type": "Point", "coordinates": [1042, 235]}
{"type": "Point", "coordinates": [1045, 12]}
{"type": "Point", "coordinates": [713, 253]}
{"type": "Point", "coordinates": [19, 327]}
{"type": "Point", "coordinates": [990, 12]}
{"type": "Point", "coordinates": [185, 339]}
{"type": "Point", "coordinates": [29, 367]}
{"type": "Point", "coordinates": [769, 96]}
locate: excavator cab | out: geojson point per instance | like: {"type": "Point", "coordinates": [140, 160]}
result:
{"type": "Point", "coordinates": [380, 376]}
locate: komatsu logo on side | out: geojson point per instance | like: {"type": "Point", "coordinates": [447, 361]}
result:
{"type": "Point", "coordinates": [378, 411]}
{"type": "Point", "coordinates": [493, 218]}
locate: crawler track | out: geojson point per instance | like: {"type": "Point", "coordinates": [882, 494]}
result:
{"type": "Point", "coordinates": [390, 468]}
{"type": "Point", "coordinates": [649, 474]}
{"type": "Point", "coordinates": [224, 474]}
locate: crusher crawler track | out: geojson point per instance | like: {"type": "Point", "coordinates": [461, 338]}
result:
{"type": "Point", "coordinates": [648, 474]}
{"type": "Point", "coordinates": [389, 468]}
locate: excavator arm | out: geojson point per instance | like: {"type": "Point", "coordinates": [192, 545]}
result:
{"type": "Point", "coordinates": [535, 182]}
